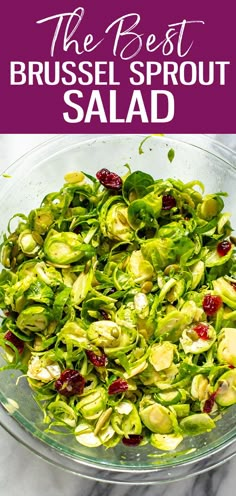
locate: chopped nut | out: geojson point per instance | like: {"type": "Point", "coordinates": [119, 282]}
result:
{"type": "Point", "coordinates": [74, 177]}
{"type": "Point", "coordinates": [171, 268]}
{"type": "Point", "coordinates": [102, 420]}
{"type": "Point", "coordinates": [147, 287]}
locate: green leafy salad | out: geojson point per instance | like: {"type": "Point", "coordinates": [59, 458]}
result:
{"type": "Point", "coordinates": [119, 306]}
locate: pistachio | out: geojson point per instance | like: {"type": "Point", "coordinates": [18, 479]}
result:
{"type": "Point", "coordinates": [171, 268]}
{"type": "Point", "coordinates": [147, 287]}
{"type": "Point", "coordinates": [102, 420]}
{"type": "Point", "coordinates": [74, 177]}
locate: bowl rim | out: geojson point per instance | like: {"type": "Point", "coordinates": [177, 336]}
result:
{"type": "Point", "coordinates": [199, 141]}
{"type": "Point", "coordinates": [149, 476]}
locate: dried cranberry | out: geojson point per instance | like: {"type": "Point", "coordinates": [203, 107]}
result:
{"type": "Point", "coordinates": [168, 202]}
{"type": "Point", "coordinates": [110, 180]}
{"type": "Point", "coordinates": [202, 331]}
{"type": "Point", "coordinates": [223, 247]}
{"type": "Point", "coordinates": [208, 405]}
{"type": "Point", "coordinates": [118, 386]}
{"type": "Point", "coordinates": [17, 342]}
{"type": "Point", "coordinates": [77, 230]}
{"type": "Point", "coordinates": [231, 366]}
{"type": "Point", "coordinates": [70, 382]}
{"type": "Point", "coordinates": [97, 360]}
{"type": "Point", "coordinates": [211, 304]}
{"type": "Point", "coordinates": [104, 314]}
{"type": "Point", "coordinates": [233, 284]}
{"type": "Point", "coordinates": [132, 440]}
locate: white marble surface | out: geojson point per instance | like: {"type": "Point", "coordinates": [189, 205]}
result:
{"type": "Point", "coordinates": [24, 474]}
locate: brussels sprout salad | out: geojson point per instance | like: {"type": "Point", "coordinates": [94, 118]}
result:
{"type": "Point", "coordinates": [119, 306]}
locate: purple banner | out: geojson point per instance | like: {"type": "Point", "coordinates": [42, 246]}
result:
{"type": "Point", "coordinates": [71, 66]}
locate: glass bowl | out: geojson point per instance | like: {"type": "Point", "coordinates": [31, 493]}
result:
{"type": "Point", "coordinates": [33, 176]}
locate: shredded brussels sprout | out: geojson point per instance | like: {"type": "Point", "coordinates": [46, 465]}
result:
{"type": "Point", "coordinates": [119, 305]}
